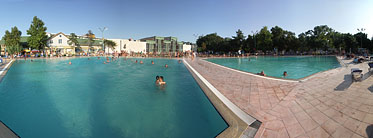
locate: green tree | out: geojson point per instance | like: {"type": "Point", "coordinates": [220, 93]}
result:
{"type": "Point", "coordinates": [362, 40]}
{"type": "Point", "coordinates": [90, 37]}
{"type": "Point", "coordinates": [212, 41]}
{"type": "Point", "coordinates": [351, 43]}
{"type": "Point", "coordinates": [278, 37]}
{"type": "Point", "coordinates": [203, 46]}
{"type": "Point", "coordinates": [321, 37]}
{"type": "Point", "coordinates": [73, 40]}
{"type": "Point", "coordinates": [238, 41]}
{"type": "Point", "coordinates": [12, 41]}
{"type": "Point", "coordinates": [109, 43]}
{"type": "Point", "coordinates": [264, 39]}
{"type": "Point", "coordinates": [37, 31]}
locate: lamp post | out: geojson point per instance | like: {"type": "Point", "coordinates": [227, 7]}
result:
{"type": "Point", "coordinates": [361, 36]}
{"type": "Point", "coordinates": [103, 42]}
{"type": "Point", "coordinates": [196, 37]}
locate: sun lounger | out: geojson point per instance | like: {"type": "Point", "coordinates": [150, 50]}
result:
{"type": "Point", "coordinates": [356, 74]}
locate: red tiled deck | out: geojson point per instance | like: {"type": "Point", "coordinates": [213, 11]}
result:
{"type": "Point", "coordinates": [311, 108]}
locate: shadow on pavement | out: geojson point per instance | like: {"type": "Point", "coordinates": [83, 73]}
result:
{"type": "Point", "coordinates": [366, 76]}
{"type": "Point", "coordinates": [345, 84]}
{"type": "Point", "coordinates": [369, 131]}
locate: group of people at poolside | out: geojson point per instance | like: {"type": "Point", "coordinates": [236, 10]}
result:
{"type": "Point", "coordinates": [263, 74]}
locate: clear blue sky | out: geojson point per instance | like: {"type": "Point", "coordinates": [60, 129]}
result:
{"type": "Point", "coordinates": [182, 18]}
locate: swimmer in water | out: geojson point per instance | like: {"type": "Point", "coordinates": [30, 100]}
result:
{"type": "Point", "coordinates": [161, 81]}
{"type": "Point", "coordinates": [285, 74]}
{"type": "Point", "coordinates": [152, 62]}
{"type": "Point", "coordinates": [166, 66]}
{"type": "Point", "coordinates": [179, 61]}
{"type": "Point", "coordinates": [157, 80]}
{"type": "Point", "coordinates": [262, 73]}
{"type": "Point", "coordinates": [136, 61]}
{"type": "Point", "coordinates": [141, 62]}
{"type": "Point", "coordinates": [104, 62]}
{"type": "Point", "coordinates": [69, 62]}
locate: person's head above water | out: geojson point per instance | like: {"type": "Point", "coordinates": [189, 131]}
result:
{"type": "Point", "coordinates": [157, 77]}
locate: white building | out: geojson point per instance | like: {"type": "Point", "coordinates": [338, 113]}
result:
{"type": "Point", "coordinates": [128, 45]}
{"type": "Point", "coordinates": [59, 42]}
{"type": "Point", "coordinates": [187, 47]}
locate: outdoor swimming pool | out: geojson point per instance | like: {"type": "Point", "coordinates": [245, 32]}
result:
{"type": "Point", "coordinates": [297, 67]}
{"type": "Point", "coordinates": [51, 99]}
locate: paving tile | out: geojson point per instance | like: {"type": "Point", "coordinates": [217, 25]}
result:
{"type": "Point", "coordinates": [365, 108]}
{"type": "Point", "coordinates": [362, 129]}
{"type": "Point", "coordinates": [368, 119]}
{"type": "Point", "coordinates": [351, 124]}
{"type": "Point", "coordinates": [282, 133]}
{"type": "Point", "coordinates": [330, 126]}
{"type": "Point", "coordinates": [356, 136]}
{"type": "Point", "coordinates": [289, 120]}
{"type": "Point", "coordinates": [342, 132]}
{"type": "Point", "coordinates": [319, 117]}
{"type": "Point", "coordinates": [275, 125]}
{"type": "Point", "coordinates": [269, 134]}
{"type": "Point", "coordinates": [295, 130]}
{"type": "Point", "coordinates": [302, 116]}
{"type": "Point", "coordinates": [318, 133]}
{"type": "Point", "coordinates": [322, 107]}
{"type": "Point", "coordinates": [359, 115]}
{"type": "Point", "coordinates": [308, 124]}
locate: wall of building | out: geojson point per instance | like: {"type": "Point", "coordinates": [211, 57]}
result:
{"type": "Point", "coordinates": [130, 46]}
{"type": "Point", "coordinates": [56, 39]}
{"type": "Point", "coordinates": [187, 47]}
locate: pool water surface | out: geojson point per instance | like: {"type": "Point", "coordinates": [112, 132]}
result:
{"type": "Point", "coordinates": [48, 98]}
{"type": "Point", "coordinates": [296, 67]}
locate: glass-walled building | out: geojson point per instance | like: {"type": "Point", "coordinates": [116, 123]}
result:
{"type": "Point", "coordinates": [162, 45]}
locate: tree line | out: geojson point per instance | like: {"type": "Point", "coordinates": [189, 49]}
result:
{"type": "Point", "coordinates": [278, 40]}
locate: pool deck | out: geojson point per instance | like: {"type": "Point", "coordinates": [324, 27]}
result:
{"type": "Point", "coordinates": [5, 132]}
{"type": "Point", "coordinates": [327, 104]}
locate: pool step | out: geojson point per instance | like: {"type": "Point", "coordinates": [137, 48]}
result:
{"type": "Point", "coordinates": [6, 132]}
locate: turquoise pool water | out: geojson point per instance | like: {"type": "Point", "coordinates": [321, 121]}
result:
{"type": "Point", "coordinates": [296, 67]}
{"type": "Point", "coordinates": [50, 99]}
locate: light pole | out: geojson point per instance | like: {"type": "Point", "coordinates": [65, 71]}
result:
{"type": "Point", "coordinates": [196, 37]}
{"type": "Point", "coordinates": [103, 42]}
{"type": "Point", "coordinates": [361, 36]}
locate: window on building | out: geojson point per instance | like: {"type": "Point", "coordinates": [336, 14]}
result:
{"type": "Point", "coordinates": [51, 41]}
{"type": "Point", "coordinates": [60, 36]}
{"type": "Point", "coordinates": [60, 41]}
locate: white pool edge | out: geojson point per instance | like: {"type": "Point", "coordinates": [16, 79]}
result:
{"type": "Point", "coordinates": [3, 70]}
{"type": "Point", "coordinates": [236, 110]}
